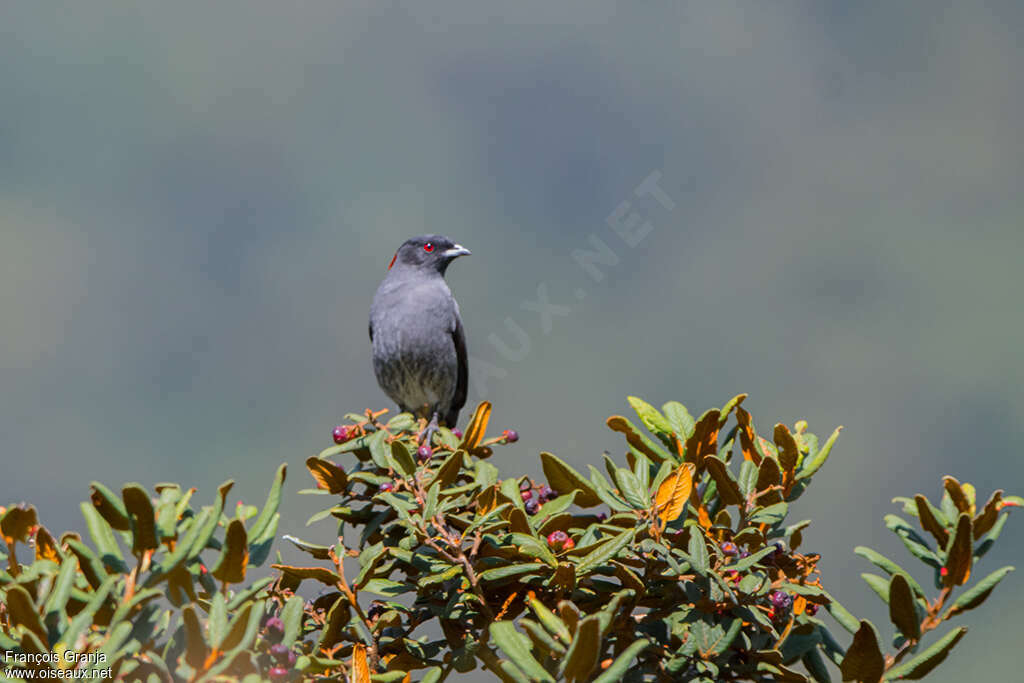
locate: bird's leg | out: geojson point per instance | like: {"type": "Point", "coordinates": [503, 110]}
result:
{"type": "Point", "coordinates": [427, 435]}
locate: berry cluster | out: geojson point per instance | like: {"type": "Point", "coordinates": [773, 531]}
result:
{"type": "Point", "coordinates": [278, 660]}
{"type": "Point", "coordinates": [559, 541]}
{"type": "Point", "coordinates": [535, 496]}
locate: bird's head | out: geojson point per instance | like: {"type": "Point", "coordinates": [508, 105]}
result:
{"type": "Point", "coordinates": [430, 253]}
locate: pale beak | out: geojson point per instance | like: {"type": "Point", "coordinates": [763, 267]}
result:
{"type": "Point", "coordinates": [457, 250]}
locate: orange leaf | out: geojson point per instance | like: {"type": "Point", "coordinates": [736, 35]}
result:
{"type": "Point", "coordinates": [328, 475]}
{"type": "Point", "coordinates": [747, 436]}
{"type": "Point", "coordinates": [360, 667]}
{"type": "Point", "coordinates": [671, 497]}
{"type": "Point", "coordinates": [477, 426]}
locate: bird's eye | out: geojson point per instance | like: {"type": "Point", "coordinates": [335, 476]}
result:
{"type": "Point", "coordinates": [428, 247]}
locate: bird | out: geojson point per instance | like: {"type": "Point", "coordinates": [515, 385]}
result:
{"type": "Point", "coordinates": [419, 343]}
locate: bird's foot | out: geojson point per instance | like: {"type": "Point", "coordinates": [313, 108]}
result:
{"type": "Point", "coordinates": [427, 435]}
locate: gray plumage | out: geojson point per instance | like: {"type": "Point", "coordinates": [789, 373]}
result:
{"type": "Point", "coordinates": [419, 346]}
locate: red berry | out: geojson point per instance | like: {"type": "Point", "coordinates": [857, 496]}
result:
{"type": "Point", "coordinates": [423, 453]}
{"type": "Point", "coordinates": [781, 601]}
{"type": "Point", "coordinates": [279, 651]}
{"type": "Point", "coordinates": [386, 486]}
{"type": "Point", "coordinates": [943, 572]}
{"type": "Point", "coordinates": [532, 506]}
{"type": "Point", "coordinates": [274, 629]}
{"type": "Point", "coordinates": [526, 495]}
{"type": "Point", "coordinates": [558, 539]}
{"type": "Point", "coordinates": [457, 433]}
{"type": "Point", "coordinates": [511, 435]}
{"type": "Point", "coordinates": [811, 609]}
{"type": "Point", "coordinates": [340, 434]}
{"type": "Point", "coordinates": [278, 673]}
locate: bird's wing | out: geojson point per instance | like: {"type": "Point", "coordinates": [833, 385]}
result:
{"type": "Point", "coordinates": [462, 381]}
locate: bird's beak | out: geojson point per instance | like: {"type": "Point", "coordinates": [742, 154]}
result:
{"type": "Point", "coordinates": [457, 250]}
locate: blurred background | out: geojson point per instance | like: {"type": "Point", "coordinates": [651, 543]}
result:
{"type": "Point", "coordinates": [821, 203]}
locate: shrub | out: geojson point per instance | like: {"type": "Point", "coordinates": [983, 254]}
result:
{"type": "Point", "coordinates": [678, 564]}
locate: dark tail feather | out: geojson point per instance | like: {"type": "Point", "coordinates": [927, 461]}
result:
{"type": "Point", "coordinates": [451, 418]}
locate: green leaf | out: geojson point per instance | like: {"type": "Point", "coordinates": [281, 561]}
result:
{"type": "Point", "coordinates": [921, 665]}
{"type": "Point", "coordinates": [978, 593]}
{"type": "Point", "coordinates": [433, 675]}
{"type": "Point", "coordinates": [912, 541]}
{"type": "Point", "coordinates": [542, 640]}
{"type": "Point", "coordinates": [403, 458]}
{"type": "Point", "coordinates": [605, 493]}
{"type": "Point", "coordinates": [655, 422]}
{"type": "Point", "coordinates": [632, 490]}
{"type": "Point", "coordinates": [585, 650]}
{"type": "Point", "coordinates": [430, 507]}
{"type": "Point", "coordinates": [749, 561]}
{"type": "Point", "coordinates": [379, 450]}
{"type": "Point", "coordinates": [551, 621]}
{"type": "Point", "coordinates": [680, 419]}
{"type": "Point", "coordinates": [990, 538]}
{"type": "Point", "coordinates": [605, 552]}
{"type": "Point", "coordinates": [771, 515]}
{"type": "Point", "coordinates": [206, 532]}
{"type": "Point", "coordinates": [879, 585]}
{"type": "Point", "coordinates": [533, 547]}
{"type": "Point", "coordinates": [815, 665]}
{"type": "Point", "coordinates": [564, 479]}
{"type": "Point", "coordinates": [482, 520]}
{"type": "Point", "coordinates": [243, 629]}
{"type": "Point", "coordinates": [182, 549]}
{"type": "Point", "coordinates": [486, 474]}
{"type": "Point", "coordinates": [83, 620]}
{"type": "Point", "coordinates": [217, 624]}
{"type": "Point", "coordinates": [249, 592]}
{"type": "Point", "coordinates": [698, 552]}
{"type": "Point", "coordinates": [263, 523]}
{"type": "Point", "coordinates": [813, 463]}
{"type": "Point", "coordinates": [890, 567]}
{"type": "Point", "coordinates": [517, 647]}
{"type": "Point", "coordinates": [53, 609]}
{"type": "Point", "coordinates": [386, 587]}
{"type": "Point", "coordinates": [103, 538]}
{"type": "Point", "coordinates": [291, 616]}
{"type": "Point", "coordinates": [841, 614]}
{"type": "Point", "coordinates": [505, 571]}
{"type": "Point", "coordinates": [748, 477]}
{"type": "Point", "coordinates": [166, 512]}
{"type": "Point", "coordinates": [617, 671]}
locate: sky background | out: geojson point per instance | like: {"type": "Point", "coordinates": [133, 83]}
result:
{"type": "Point", "coordinates": [198, 201]}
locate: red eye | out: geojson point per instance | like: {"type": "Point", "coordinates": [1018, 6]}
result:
{"type": "Point", "coordinates": [428, 247]}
